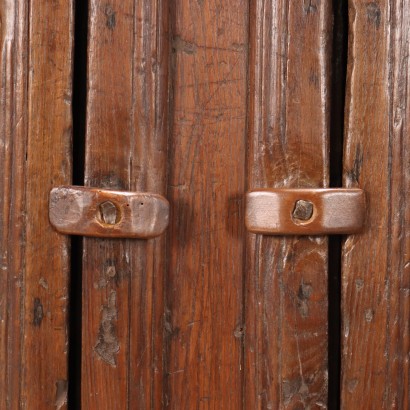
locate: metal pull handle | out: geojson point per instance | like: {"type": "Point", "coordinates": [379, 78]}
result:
{"type": "Point", "coordinates": [305, 211]}
{"type": "Point", "coordinates": [77, 210]}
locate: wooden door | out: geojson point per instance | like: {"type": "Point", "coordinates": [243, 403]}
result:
{"type": "Point", "coordinates": [201, 101]}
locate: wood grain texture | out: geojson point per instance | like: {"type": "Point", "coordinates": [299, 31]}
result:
{"type": "Point", "coordinates": [13, 137]}
{"type": "Point", "coordinates": [305, 211]}
{"type": "Point", "coordinates": [35, 154]}
{"type": "Point", "coordinates": [125, 150]}
{"type": "Point", "coordinates": [376, 267]}
{"type": "Point", "coordinates": [286, 286]}
{"type": "Point", "coordinates": [206, 189]}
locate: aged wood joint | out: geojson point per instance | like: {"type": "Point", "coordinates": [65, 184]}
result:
{"type": "Point", "coordinates": [107, 213]}
{"type": "Point", "coordinates": [305, 211]}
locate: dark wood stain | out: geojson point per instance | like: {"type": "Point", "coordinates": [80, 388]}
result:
{"type": "Point", "coordinates": [374, 14]}
{"type": "Point", "coordinates": [38, 312]}
{"type": "Point", "coordinates": [111, 17]}
{"type": "Point", "coordinates": [354, 174]}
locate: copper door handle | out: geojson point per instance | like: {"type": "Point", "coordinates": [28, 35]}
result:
{"type": "Point", "coordinates": [305, 211]}
{"type": "Point", "coordinates": [78, 210]}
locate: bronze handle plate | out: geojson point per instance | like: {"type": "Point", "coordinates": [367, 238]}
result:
{"type": "Point", "coordinates": [305, 211]}
{"type": "Point", "coordinates": [77, 210]}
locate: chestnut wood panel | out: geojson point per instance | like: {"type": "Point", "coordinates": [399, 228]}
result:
{"type": "Point", "coordinates": [286, 286]}
{"type": "Point", "coordinates": [122, 347]}
{"type": "Point", "coordinates": [35, 152]}
{"type": "Point", "coordinates": [206, 189]}
{"type": "Point", "coordinates": [376, 267]}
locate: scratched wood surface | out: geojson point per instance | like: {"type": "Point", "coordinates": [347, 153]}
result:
{"type": "Point", "coordinates": [376, 267]}
{"type": "Point", "coordinates": [125, 149]}
{"type": "Point", "coordinates": [205, 316]}
{"type": "Point", "coordinates": [206, 187]}
{"type": "Point", "coordinates": [286, 286]}
{"type": "Point", "coordinates": [35, 151]}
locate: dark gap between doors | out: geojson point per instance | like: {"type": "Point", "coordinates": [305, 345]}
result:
{"type": "Point", "coordinates": [339, 66]}
{"type": "Point", "coordinates": [79, 105]}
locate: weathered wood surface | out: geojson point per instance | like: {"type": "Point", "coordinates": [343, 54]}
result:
{"type": "Point", "coordinates": [376, 267]}
{"type": "Point", "coordinates": [126, 133]}
{"type": "Point", "coordinates": [206, 189]}
{"type": "Point", "coordinates": [214, 318]}
{"type": "Point", "coordinates": [286, 286]}
{"type": "Point", "coordinates": [35, 151]}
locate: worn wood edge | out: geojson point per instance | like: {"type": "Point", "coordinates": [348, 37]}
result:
{"type": "Point", "coordinates": [48, 162]}
{"type": "Point", "coordinates": [13, 136]}
{"type": "Point", "coordinates": [76, 211]}
{"type": "Point", "coordinates": [335, 211]}
{"type": "Point", "coordinates": [375, 272]}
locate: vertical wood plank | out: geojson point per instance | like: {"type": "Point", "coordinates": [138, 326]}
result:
{"type": "Point", "coordinates": [125, 149]}
{"type": "Point", "coordinates": [286, 286]}
{"type": "Point", "coordinates": [206, 187]}
{"type": "Point", "coordinates": [35, 153]}
{"type": "Point", "coordinates": [13, 129]}
{"type": "Point", "coordinates": [48, 163]}
{"type": "Point", "coordinates": [376, 268]}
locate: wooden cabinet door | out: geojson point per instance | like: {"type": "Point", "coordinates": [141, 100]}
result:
{"type": "Point", "coordinates": [201, 101]}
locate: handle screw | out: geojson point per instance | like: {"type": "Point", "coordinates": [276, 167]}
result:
{"type": "Point", "coordinates": [108, 213]}
{"type": "Point", "coordinates": [303, 210]}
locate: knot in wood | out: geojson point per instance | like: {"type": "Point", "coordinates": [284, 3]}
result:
{"type": "Point", "coordinates": [109, 213]}
{"type": "Point", "coordinates": [303, 210]}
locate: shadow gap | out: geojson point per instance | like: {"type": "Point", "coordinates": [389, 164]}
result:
{"type": "Point", "coordinates": [79, 107]}
{"type": "Point", "coordinates": [339, 68]}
